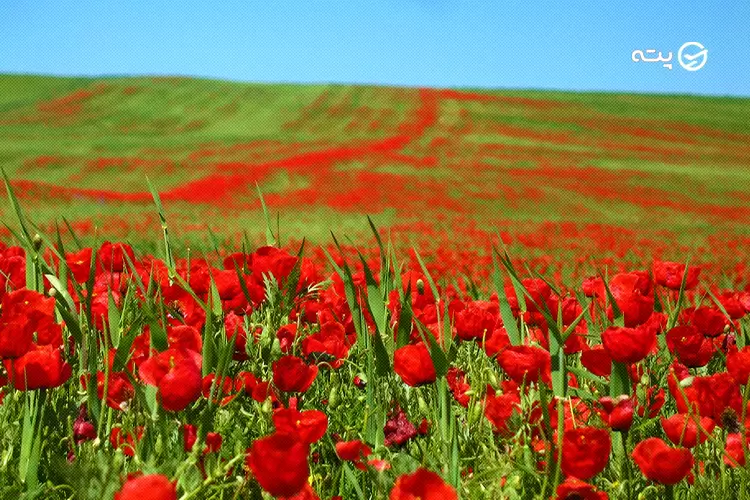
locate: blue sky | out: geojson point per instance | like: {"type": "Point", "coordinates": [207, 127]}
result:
{"type": "Point", "coordinates": [568, 44]}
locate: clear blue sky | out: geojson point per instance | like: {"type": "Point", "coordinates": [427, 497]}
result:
{"type": "Point", "coordinates": [562, 44]}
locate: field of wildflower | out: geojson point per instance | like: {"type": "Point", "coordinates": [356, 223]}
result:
{"type": "Point", "coordinates": [543, 322]}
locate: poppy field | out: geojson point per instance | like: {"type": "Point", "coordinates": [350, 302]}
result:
{"type": "Point", "coordinates": [365, 293]}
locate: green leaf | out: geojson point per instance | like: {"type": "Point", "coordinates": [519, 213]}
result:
{"type": "Point", "coordinates": [509, 321]}
{"type": "Point", "coordinates": [439, 359]}
{"type": "Point", "coordinates": [617, 315]}
{"type": "Point", "coordinates": [404, 319]}
{"type": "Point", "coordinates": [168, 258]}
{"type": "Point", "coordinates": [619, 381]}
{"type": "Point", "coordinates": [270, 239]}
{"type": "Point", "coordinates": [17, 209]}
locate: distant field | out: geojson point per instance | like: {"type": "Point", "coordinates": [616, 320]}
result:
{"type": "Point", "coordinates": [557, 174]}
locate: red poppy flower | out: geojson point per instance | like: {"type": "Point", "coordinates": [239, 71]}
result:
{"type": "Point", "coordinates": [83, 428]}
{"type": "Point", "coordinates": [309, 425]}
{"type": "Point", "coordinates": [526, 364]}
{"type": "Point", "coordinates": [628, 345]}
{"type": "Point", "coordinates": [738, 365]}
{"type": "Point", "coordinates": [500, 408]}
{"type": "Point", "coordinates": [477, 320]}
{"type": "Point", "coordinates": [708, 320]}
{"type": "Point", "coordinates": [126, 442]}
{"type": "Point", "coordinates": [456, 380]}
{"type": "Point", "coordinates": [330, 341]}
{"type": "Point", "coordinates": [652, 403]}
{"type": "Point", "coordinates": [292, 374]}
{"type": "Point", "coordinates": [424, 485]}
{"type": "Point", "coordinates": [153, 487]}
{"type": "Point", "coordinates": [235, 327]}
{"type": "Point", "coordinates": [111, 256]}
{"type": "Point", "coordinates": [185, 337]}
{"type": "Point", "coordinates": [708, 396]}
{"type": "Point", "coordinates": [279, 464]}
{"type": "Point", "coordinates": [496, 342]}
{"type": "Point", "coordinates": [24, 313]}
{"type": "Point", "coordinates": [597, 361]}
{"type": "Point", "coordinates": [286, 335]}
{"type": "Point", "coordinates": [119, 389]}
{"type": "Point", "coordinates": [687, 430]}
{"type": "Point", "coordinates": [669, 274]}
{"type": "Point", "coordinates": [353, 451]}
{"type": "Point", "coordinates": [690, 346]}
{"type": "Point", "coordinates": [575, 489]}
{"type": "Point", "coordinates": [271, 261]}
{"type": "Point", "coordinates": [585, 452]}
{"type": "Point", "coordinates": [177, 375]}
{"type": "Point", "coordinates": [734, 455]}
{"type": "Point", "coordinates": [414, 365]}
{"type": "Point", "coordinates": [42, 367]}
{"type": "Point", "coordinates": [306, 493]}
{"type": "Point", "coordinates": [618, 413]}
{"type": "Point", "coordinates": [224, 393]}
{"type": "Point", "coordinates": [190, 436]}
{"type": "Point", "coordinates": [661, 463]}
{"type": "Point", "coordinates": [79, 264]}
{"type": "Point", "coordinates": [398, 429]}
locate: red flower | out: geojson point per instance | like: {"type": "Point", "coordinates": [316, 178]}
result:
{"type": "Point", "coordinates": [24, 313]}
{"type": "Point", "coordinates": [585, 452]}
{"type": "Point", "coordinates": [414, 365]}
{"type": "Point", "coordinates": [526, 364]}
{"type": "Point", "coordinates": [42, 367]}
{"type": "Point", "coordinates": [690, 346]}
{"type": "Point", "coordinates": [190, 435]}
{"type": "Point", "coordinates": [618, 413]}
{"type": "Point", "coordinates": [286, 335]}
{"type": "Point", "coordinates": [477, 320]}
{"type": "Point", "coordinates": [279, 464]}
{"type": "Point", "coordinates": [628, 345]}
{"type": "Point", "coordinates": [456, 380]}
{"type": "Point", "coordinates": [500, 408]}
{"type": "Point", "coordinates": [669, 274]}
{"type": "Point", "coordinates": [153, 487]}
{"type": "Point", "coordinates": [687, 430]}
{"type": "Point", "coordinates": [224, 392]}
{"type": "Point", "coordinates": [398, 429]}
{"type": "Point", "coordinates": [353, 451]}
{"type": "Point", "coordinates": [597, 361]}
{"type": "Point", "coordinates": [306, 493]}
{"type": "Point", "coordinates": [119, 389]}
{"type": "Point", "coordinates": [83, 428]}
{"type": "Point", "coordinates": [119, 439]}
{"type": "Point", "coordinates": [112, 256]}
{"type": "Point", "coordinates": [234, 325]}
{"type": "Point", "coordinates": [185, 337]}
{"type": "Point", "coordinates": [661, 463]}
{"type": "Point", "coordinates": [734, 454]}
{"type": "Point", "coordinates": [738, 365]}
{"type": "Point", "coordinates": [79, 264]}
{"type": "Point", "coordinates": [330, 341]}
{"type": "Point", "coordinates": [709, 321]}
{"type": "Point", "coordinates": [575, 489]}
{"type": "Point", "coordinates": [292, 374]}
{"type": "Point", "coordinates": [177, 375]}
{"type": "Point", "coordinates": [309, 425]}
{"type": "Point", "coordinates": [422, 485]}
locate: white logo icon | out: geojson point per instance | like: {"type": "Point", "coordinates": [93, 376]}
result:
{"type": "Point", "coordinates": [692, 61]}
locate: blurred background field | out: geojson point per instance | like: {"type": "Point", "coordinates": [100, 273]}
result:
{"type": "Point", "coordinates": [559, 176]}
